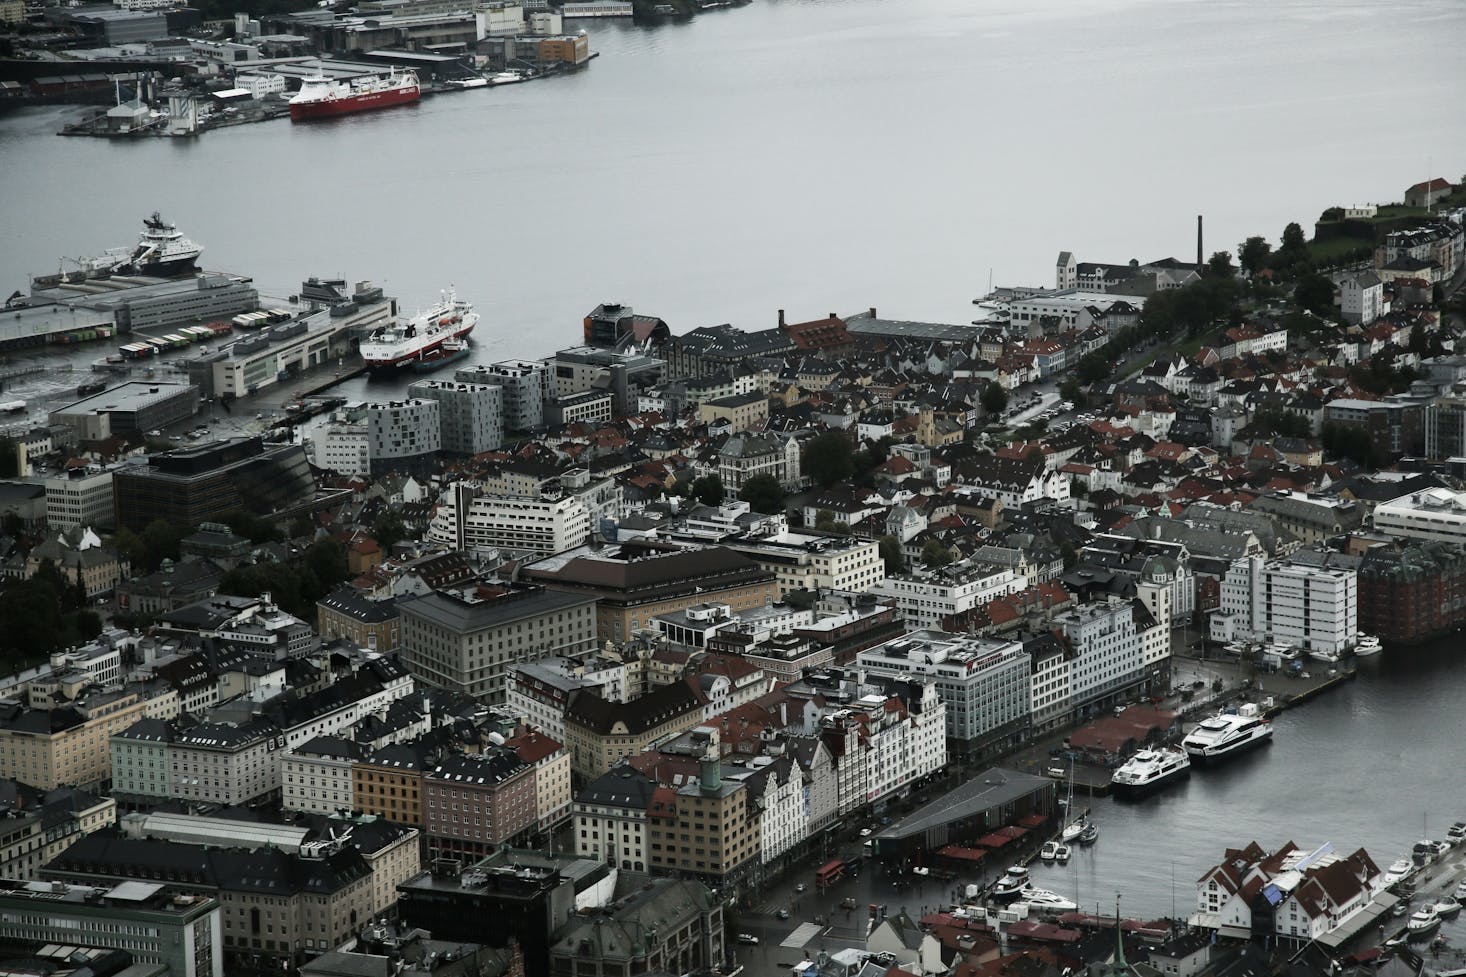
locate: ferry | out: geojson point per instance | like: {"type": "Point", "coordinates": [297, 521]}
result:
{"type": "Point", "coordinates": [321, 97]}
{"type": "Point", "coordinates": [1149, 771]}
{"type": "Point", "coordinates": [1223, 736]}
{"type": "Point", "coordinates": [405, 342]}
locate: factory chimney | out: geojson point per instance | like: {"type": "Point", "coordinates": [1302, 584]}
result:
{"type": "Point", "coordinates": [1199, 259]}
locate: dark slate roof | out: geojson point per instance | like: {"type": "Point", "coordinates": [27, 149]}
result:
{"type": "Point", "coordinates": [639, 715]}
{"type": "Point", "coordinates": [492, 767]}
{"type": "Point", "coordinates": [348, 602]}
{"type": "Point", "coordinates": [463, 616]}
{"type": "Point", "coordinates": [622, 786]}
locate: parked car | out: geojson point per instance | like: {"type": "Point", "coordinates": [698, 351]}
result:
{"type": "Point", "coordinates": [800, 887]}
{"type": "Point", "coordinates": [781, 914]}
{"type": "Point", "coordinates": [748, 938]}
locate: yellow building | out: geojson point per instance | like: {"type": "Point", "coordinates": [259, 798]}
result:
{"type": "Point", "coordinates": [599, 732]}
{"type": "Point", "coordinates": [12, 11]}
{"type": "Point", "coordinates": [568, 48]}
{"type": "Point", "coordinates": [703, 828]}
{"type": "Point", "coordinates": [70, 745]}
{"type": "Point", "coordinates": [388, 783]}
{"type": "Point", "coordinates": [746, 412]}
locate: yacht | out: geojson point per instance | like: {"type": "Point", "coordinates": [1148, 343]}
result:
{"type": "Point", "coordinates": [1050, 851]}
{"type": "Point", "coordinates": [1460, 892]}
{"type": "Point", "coordinates": [1423, 921]}
{"type": "Point", "coordinates": [1089, 835]}
{"type": "Point", "coordinates": [1425, 851]}
{"type": "Point", "coordinates": [1223, 736]}
{"type": "Point", "coordinates": [1014, 881]}
{"type": "Point", "coordinates": [1456, 833]}
{"type": "Point", "coordinates": [1447, 907]}
{"type": "Point", "coordinates": [1149, 770]}
{"type": "Point", "coordinates": [1323, 655]}
{"type": "Point", "coordinates": [1046, 900]}
{"type": "Point", "coordinates": [1062, 853]}
{"type": "Point", "coordinates": [1368, 645]}
{"type": "Point", "coordinates": [1400, 870]}
{"type": "Point", "coordinates": [1074, 828]}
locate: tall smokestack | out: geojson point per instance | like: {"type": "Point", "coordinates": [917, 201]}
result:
{"type": "Point", "coordinates": [1199, 259]}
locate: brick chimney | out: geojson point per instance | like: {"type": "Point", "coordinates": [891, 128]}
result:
{"type": "Point", "coordinates": [781, 318]}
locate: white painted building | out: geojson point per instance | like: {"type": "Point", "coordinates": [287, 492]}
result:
{"type": "Point", "coordinates": [470, 415]}
{"type": "Point", "coordinates": [403, 434]}
{"type": "Point", "coordinates": [814, 561]}
{"type": "Point", "coordinates": [1361, 298]}
{"type": "Point", "coordinates": [224, 763]}
{"type": "Point", "coordinates": [1434, 514]}
{"type": "Point", "coordinates": [344, 448]}
{"type": "Point", "coordinates": [515, 526]}
{"type": "Point", "coordinates": [316, 778]}
{"type": "Point", "coordinates": [924, 597]}
{"type": "Point", "coordinates": [1107, 657]}
{"type": "Point", "coordinates": [1312, 608]}
{"type": "Point", "coordinates": [610, 815]}
{"type": "Point", "coordinates": [83, 499]}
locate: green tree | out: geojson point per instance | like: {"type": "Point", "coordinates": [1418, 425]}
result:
{"type": "Point", "coordinates": [388, 529]}
{"type": "Point", "coordinates": [326, 560]}
{"type": "Point", "coordinates": [300, 527]}
{"type": "Point", "coordinates": [1221, 265]}
{"type": "Point", "coordinates": [1293, 252]}
{"type": "Point", "coordinates": [934, 554]}
{"type": "Point", "coordinates": [764, 494]}
{"type": "Point", "coordinates": [824, 521]}
{"type": "Point", "coordinates": [892, 555]}
{"type": "Point", "coordinates": [1073, 391]}
{"type": "Point", "coordinates": [709, 489]}
{"type": "Point", "coordinates": [160, 539]}
{"type": "Point", "coordinates": [1314, 293]}
{"type": "Point", "coordinates": [829, 459]}
{"type": "Point", "coordinates": [1254, 254]}
{"type": "Point", "coordinates": [994, 399]}
{"type": "Point", "coordinates": [130, 546]}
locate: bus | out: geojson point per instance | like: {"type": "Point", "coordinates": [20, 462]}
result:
{"type": "Point", "coordinates": [830, 874]}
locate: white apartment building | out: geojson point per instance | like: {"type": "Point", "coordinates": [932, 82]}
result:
{"type": "Point", "coordinates": [514, 526]}
{"type": "Point", "coordinates": [345, 449]}
{"type": "Point", "coordinates": [611, 818]}
{"type": "Point", "coordinates": [225, 763]}
{"type": "Point", "coordinates": [812, 561]}
{"type": "Point", "coordinates": [471, 415]}
{"type": "Point", "coordinates": [1434, 514]}
{"type": "Point", "coordinates": [1312, 608]}
{"type": "Point", "coordinates": [885, 749]}
{"type": "Point", "coordinates": [80, 500]}
{"type": "Point", "coordinates": [525, 384]}
{"type": "Point", "coordinates": [316, 778]}
{"type": "Point", "coordinates": [924, 597]}
{"type": "Point", "coordinates": [982, 682]}
{"type": "Point", "coordinates": [784, 822]}
{"type": "Point", "coordinates": [1050, 688]}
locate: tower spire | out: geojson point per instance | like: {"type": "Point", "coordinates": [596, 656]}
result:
{"type": "Point", "coordinates": [1120, 968]}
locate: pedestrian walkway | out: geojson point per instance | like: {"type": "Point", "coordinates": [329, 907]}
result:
{"type": "Point", "coordinates": [802, 936]}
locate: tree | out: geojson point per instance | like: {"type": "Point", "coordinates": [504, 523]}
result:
{"type": "Point", "coordinates": [1221, 265]}
{"type": "Point", "coordinates": [892, 555]}
{"type": "Point", "coordinates": [824, 521]}
{"type": "Point", "coordinates": [300, 527]}
{"type": "Point", "coordinates": [326, 560]}
{"type": "Point", "coordinates": [130, 546]}
{"type": "Point", "coordinates": [160, 539]}
{"type": "Point", "coordinates": [1073, 391]}
{"type": "Point", "coordinates": [709, 489]}
{"type": "Point", "coordinates": [388, 529]}
{"type": "Point", "coordinates": [1293, 252]}
{"type": "Point", "coordinates": [829, 459]}
{"type": "Point", "coordinates": [1315, 293]}
{"type": "Point", "coordinates": [934, 554]}
{"type": "Point", "coordinates": [764, 494]}
{"type": "Point", "coordinates": [1254, 254]}
{"type": "Point", "coordinates": [994, 399]}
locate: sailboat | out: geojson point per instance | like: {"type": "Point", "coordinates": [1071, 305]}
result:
{"type": "Point", "coordinates": [1074, 829]}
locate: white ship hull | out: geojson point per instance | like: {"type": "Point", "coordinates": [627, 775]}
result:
{"type": "Point", "coordinates": [409, 342]}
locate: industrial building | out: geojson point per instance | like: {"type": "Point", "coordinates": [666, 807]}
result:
{"type": "Point", "coordinates": [130, 408]}
{"type": "Point", "coordinates": [198, 484]}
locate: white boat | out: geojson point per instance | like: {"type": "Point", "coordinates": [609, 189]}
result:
{"type": "Point", "coordinates": [1460, 892]}
{"type": "Point", "coordinates": [1400, 870]}
{"type": "Point", "coordinates": [1423, 921]}
{"type": "Point", "coordinates": [508, 78]}
{"type": "Point", "coordinates": [1074, 829]}
{"type": "Point", "coordinates": [1368, 645]}
{"type": "Point", "coordinates": [404, 342]}
{"type": "Point", "coordinates": [1046, 900]}
{"type": "Point", "coordinates": [1090, 834]}
{"type": "Point", "coordinates": [1014, 881]}
{"type": "Point", "coordinates": [1062, 853]}
{"type": "Point", "coordinates": [467, 82]}
{"type": "Point", "coordinates": [1456, 833]}
{"type": "Point", "coordinates": [1050, 851]}
{"type": "Point", "coordinates": [1228, 734]}
{"type": "Point", "coordinates": [1149, 770]}
{"type": "Point", "coordinates": [161, 249]}
{"type": "Point", "coordinates": [1322, 655]}
{"type": "Point", "coordinates": [1447, 907]}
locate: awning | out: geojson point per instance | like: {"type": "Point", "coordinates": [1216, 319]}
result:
{"type": "Point", "coordinates": [962, 854]}
{"type": "Point", "coordinates": [1013, 831]}
{"type": "Point", "coordinates": [1033, 821]}
{"type": "Point", "coordinates": [993, 841]}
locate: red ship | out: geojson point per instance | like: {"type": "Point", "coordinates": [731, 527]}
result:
{"type": "Point", "coordinates": [323, 97]}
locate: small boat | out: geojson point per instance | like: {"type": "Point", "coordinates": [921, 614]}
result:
{"type": "Point", "coordinates": [1062, 853]}
{"type": "Point", "coordinates": [1368, 645]}
{"type": "Point", "coordinates": [1014, 881]}
{"type": "Point", "coordinates": [451, 351]}
{"type": "Point", "coordinates": [1074, 829]}
{"type": "Point", "coordinates": [1046, 900]}
{"type": "Point", "coordinates": [1447, 907]}
{"type": "Point", "coordinates": [467, 83]}
{"type": "Point", "coordinates": [1460, 892]}
{"type": "Point", "coordinates": [1456, 833]}
{"type": "Point", "coordinates": [1423, 921]}
{"type": "Point", "coordinates": [1322, 655]}
{"type": "Point", "coordinates": [508, 78]}
{"type": "Point", "coordinates": [1050, 851]}
{"type": "Point", "coordinates": [1090, 834]}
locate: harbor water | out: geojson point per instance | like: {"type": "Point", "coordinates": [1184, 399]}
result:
{"type": "Point", "coordinates": [1372, 763]}
{"type": "Point", "coordinates": [811, 155]}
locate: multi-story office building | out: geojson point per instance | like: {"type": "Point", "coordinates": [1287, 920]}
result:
{"type": "Point", "coordinates": [316, 776]}
{"type": "Point", "coordinates": [1109, 661]}
{"type": "Point", "coordinates": [476, 802]}
{"type": "Point", "coordinates": [194, 485]}
{"type": "Point", "coordinates": [228, 764]}
{"type": "Point", "coordinates": [1302, 606]}
{"type": "Point", "coordinates": [47, 748]}
{"type": "Point", "coordinates": [470, 415]}
{"type": "Point", "coordinates": [345, 448]}
{"type": "Point", "coordinates": [1412, 592]}
{"type": "Point", "coordinates": [35, 828]}
{"type": "Point", "coordinates": [815, 561]}
{"type": "Point", "coordinates": [130, 408]}
{"type": "Point", "coordinates": [469, 641]}
{"type": "Point", "coordinates": [611, 817]}
{"type": "Point", "coordinates": [551, 762]}
{"type": "Point", "coordinates": [926, 597]}
{"type": "Point", "coordinates": [80, 498]}
{"type": "Point", "coordinates": [983, 682]}
{"type": "Point", "coordinates": [403, 436]}
{"type": "Point", "coordinates": [636, 582]}
{"type": "Point", "coordinates": [367, 623]}
{"type": "Point", "coordinates": [387, 782]}
{"type": "Point", "coordinates": [146, 919]}
{"type": "Point", "coordinates": [525, 385]}
{"type": "Point", "coordinates": [514, 526]}
{"type": "Point", "coordinates": [682, 922]}
{"type": "Point", "coordinates": [1445, 428]}
{"type": "Point", "coordinates": [140, 770]}
{"type": "Point", "coordinates": [1436, 514]}
{"type": "Point", "coordinates": [599, 733]}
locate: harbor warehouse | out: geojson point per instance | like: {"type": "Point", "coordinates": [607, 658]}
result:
{"type": "Point", "coordinates": [988, 811]}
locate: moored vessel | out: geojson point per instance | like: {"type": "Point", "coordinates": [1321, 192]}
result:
{"type": "Point", "coordinates": [451, 351]}
{"type": "Point", "coordinates": [322, 97]}
{"type": "Point", "coordinates": [405, 342]}
{"type": "Point", "coordinates": [1014, 881]}
{"type": "Point", "coordinates": [1368, 646]}
{"type": "Point", "coordinates": [1148, 771]}
{"type": "Point", "coordinates": [161, 250]}
{"type": "Point", "coordinates": [1224, 736]}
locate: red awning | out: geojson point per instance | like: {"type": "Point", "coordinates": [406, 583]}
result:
{"type": "Point", "coordinates": [1033, 821]}
{"type": "Point", "coordinates": [993, 841]}
{"type": "Point", "coordinates": [1013, 831]}
{"type": "Point", "coordinates": [962, 854]}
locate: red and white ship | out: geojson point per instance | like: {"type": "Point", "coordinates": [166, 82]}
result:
{"type": "Point", "coordinates": [324, 97]}
{"type": "Point", "coordinates": [405, 342]}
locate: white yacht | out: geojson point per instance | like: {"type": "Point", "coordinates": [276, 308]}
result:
{"type": "Point", "coordinates": [1149, 770]}
{"type": "Point", "coordinates": [1447, 907]}
{"type": "Point", "coordinates": [1323, 655]}
{"type": "Point", "coordinates": [1400, 870]}
{"type": "Point", "coordinates": [1045, 900]}
{"type": "Point", "coordinates": [1423, 921]}
{"type": "Point", "coordinates": [1368, 645]}
{"type": "Point", "coordinates": [1224, 736]}
{"type": "Point", "coordinates": [1074, 829]}
{"type": "Point", "coordinates": [1062, 853]}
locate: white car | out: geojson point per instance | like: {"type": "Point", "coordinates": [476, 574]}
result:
{"type": "Point", "coordinates": [748, 938]}
{"type": "Point", "coordinates": [865, 832]}
{"type": "Point", "coordinates": [800, 887]}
